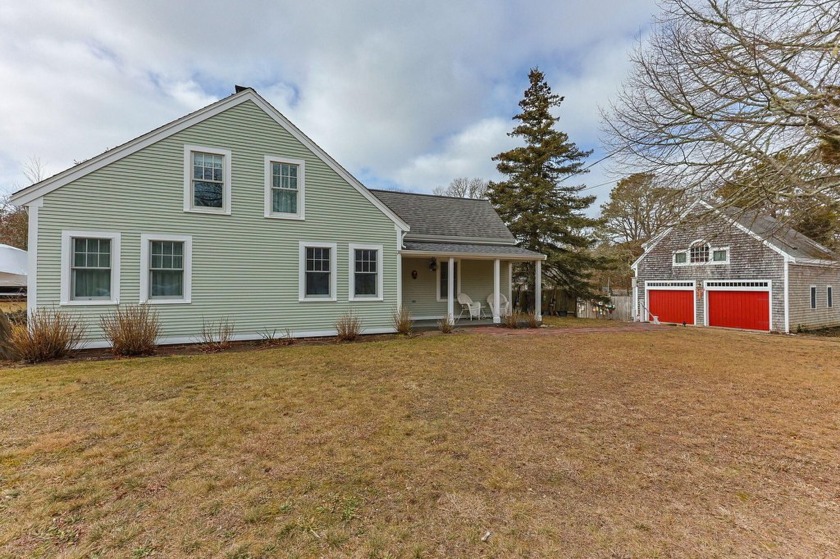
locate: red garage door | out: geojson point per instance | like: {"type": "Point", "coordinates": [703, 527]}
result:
{"type": "Point", "coordinates": [740, 309]}
{"type": "Point", "coordinates": [672, 305]}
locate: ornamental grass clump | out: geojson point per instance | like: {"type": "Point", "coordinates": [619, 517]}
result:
{"type": "Point", "coordinates": [402, 321]}
{"type": "Point", "coordinates": [445, 325]}
{"type": "Point", "coordinates": [511, 320]}
{"type": "Point", "coordinates": [216, 335]}
{"type": "Point", "coordinates": [47, 334]}
{"type": "Point", "coordinates": [132, 330]}
{"type": "Point", "coordinates": [348, 327]}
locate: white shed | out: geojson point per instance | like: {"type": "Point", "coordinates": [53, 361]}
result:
{"type": "Point", "coordinates": [13, 267]}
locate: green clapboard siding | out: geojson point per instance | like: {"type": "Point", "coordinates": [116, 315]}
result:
{"type": "Point", "coordinates": [420, 295]}
{"type": "Point", "coordinates": [245, 267]}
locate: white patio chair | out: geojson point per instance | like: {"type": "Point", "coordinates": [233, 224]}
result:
{"type": "Point", "coordinates": [504, 305]}
{"type": "Point", "coordinates": [473, 309]}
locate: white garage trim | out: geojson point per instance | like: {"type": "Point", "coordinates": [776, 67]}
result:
{"type": "Point", "coordinates": [737, 285]}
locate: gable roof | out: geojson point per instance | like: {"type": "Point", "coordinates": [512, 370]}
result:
{"type": "Point", "coordinates": [434, 217]}
{"type": "Point", "coordinates": [31, 193]}
{"type": "Point", "coordinates": [791, 244]}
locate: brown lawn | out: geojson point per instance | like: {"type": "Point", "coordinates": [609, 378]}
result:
{"type": "Point", "coordinates": [671, 442]}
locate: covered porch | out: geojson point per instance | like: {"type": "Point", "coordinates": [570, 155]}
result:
{"type": "Point", "coordinates": [435, 274]}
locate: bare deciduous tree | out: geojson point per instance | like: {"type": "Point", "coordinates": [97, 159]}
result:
{"type": "Point", "coordinates": [464, 187]}
{"type": "Point", "coordinates": [723, 86]}
{"type": "Point", "coordinates": [639, 208]}
{"type": "Point", "coordinates": [14, 221]}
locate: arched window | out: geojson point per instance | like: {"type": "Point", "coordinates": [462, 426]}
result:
{"type": "Point", "coordinates": [698, 252]}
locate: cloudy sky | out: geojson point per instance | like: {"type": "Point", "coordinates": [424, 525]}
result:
{"type": "Point", "coordinates": [405, 95]}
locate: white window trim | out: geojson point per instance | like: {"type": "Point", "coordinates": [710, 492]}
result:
{"type": "Point", "coordinates": [145, 263]}
{"type": "Point", "coordinates": [188, 190]}
{"type": "Point", "coordinates": [66, 253]}
{"type": "Point", "coordinates": [301, 213]}
{"type": "Point", "coordinates": [302, 297]}
{"type": "Point", "coordinates": [444, 261]}
{"type": "Point", "coordinates": [812, 289]}
{"type": "Point", "coordinates": [352, 272]}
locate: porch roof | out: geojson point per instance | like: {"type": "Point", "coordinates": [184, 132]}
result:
{"type": "Point", "coordinates": [483, 251]}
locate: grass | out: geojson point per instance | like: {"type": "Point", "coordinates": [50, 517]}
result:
{"type": "Point", "coordinates": [674, 442]}
{"type": "Point", "coordinates": [573, 322]}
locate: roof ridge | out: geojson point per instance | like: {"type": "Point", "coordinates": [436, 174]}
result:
{"type": "Point", "coordinates": [429, 195]}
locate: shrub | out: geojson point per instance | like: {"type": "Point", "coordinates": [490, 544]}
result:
{"type": "Point", "coordinates": [402, 321]}
{"type": "Point", "coordinates": [531, 320]}
{"type": "Point", "coordinates": [348, 327]}
{"type": "Point", "coordinates": [132, 330]}
{"type": "Point", "coordinates": [48, 334]}
{"type": "Point", "coordinates": [271, 337]}
{"type": "Point", "coordinates": [216, 335]}
{"type": "Point", "coordinates": [511, 320]}
{"type": "Point", "coordinates": [445, 325]}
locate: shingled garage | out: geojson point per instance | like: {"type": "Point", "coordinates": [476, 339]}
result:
{"type": "Point", "coordinates": [732, 268]}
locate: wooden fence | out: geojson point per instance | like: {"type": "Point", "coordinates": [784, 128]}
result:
{"type": "Point", "coordinates": [623, 309]}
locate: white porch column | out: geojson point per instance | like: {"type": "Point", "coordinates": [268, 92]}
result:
{"type": "Point", "coordinates": [538, 290]}
{"type": "Point", "coordinates": [450, 301]}
{"type": "Point", "coordinates": [497, 265]}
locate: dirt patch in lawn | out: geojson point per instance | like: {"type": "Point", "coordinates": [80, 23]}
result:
{"type": "Point", "coordinates": [675, 442]}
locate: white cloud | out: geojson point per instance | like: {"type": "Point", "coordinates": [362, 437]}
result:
{"type": "Point", "coordinates": [409, 93]}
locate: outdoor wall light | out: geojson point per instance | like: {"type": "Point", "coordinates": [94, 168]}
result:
{"type": "Point", "coordinates": [413, 274]}
{"type": "Point", "coordinates": [433, 265]}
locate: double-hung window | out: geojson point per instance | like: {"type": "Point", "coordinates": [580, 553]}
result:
{"type": "Point", "coordinates": [813, 297]}
{"type": "Point", "coordinates": [166, 270]}
{"type": "Point", "coordinates": [829, 297]}
{"type": "Point", "coordinates": [317, 271]}
{"type": "Point", "coordinates": [365, 272]}
{"type": "Point", "coordinates": [284, 187]}
{"type": "Point", "coordinates": [90, 267]}
{"type": "Point", "coordinates": [207, 180]}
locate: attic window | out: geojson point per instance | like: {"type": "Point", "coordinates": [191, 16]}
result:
{"type": "Point", "coordinates": [699, 254]}
{"type": "Point", "coordinates": [206, 180]}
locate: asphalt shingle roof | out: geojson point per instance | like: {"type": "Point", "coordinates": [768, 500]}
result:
{"type": "Point", "coordinates": [445, 216]}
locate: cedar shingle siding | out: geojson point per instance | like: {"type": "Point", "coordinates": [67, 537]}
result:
{"type": "Point", "coordinates": [802, 316]}
{"type": "Point", "coordinates": [749, 259]}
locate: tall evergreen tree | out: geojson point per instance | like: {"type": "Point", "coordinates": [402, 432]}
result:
{"type": "Point", "coordinates": [541, 210]}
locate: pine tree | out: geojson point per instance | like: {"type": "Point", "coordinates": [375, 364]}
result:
{"type": "Point", "coordinates": [543, 212]}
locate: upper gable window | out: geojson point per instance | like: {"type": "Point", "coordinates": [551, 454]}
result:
{"type": "Point", "coordinates": [284, 187]}
{"type": "Point", "coordinates": [207, 180]}
{"type": "Point", "coordinates": [699, 254]}
{"type": "Point", "coordinates": [720, 255]}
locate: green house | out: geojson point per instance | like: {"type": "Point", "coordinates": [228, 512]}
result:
{"type": "Point", "coordinates": [231, 212]}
